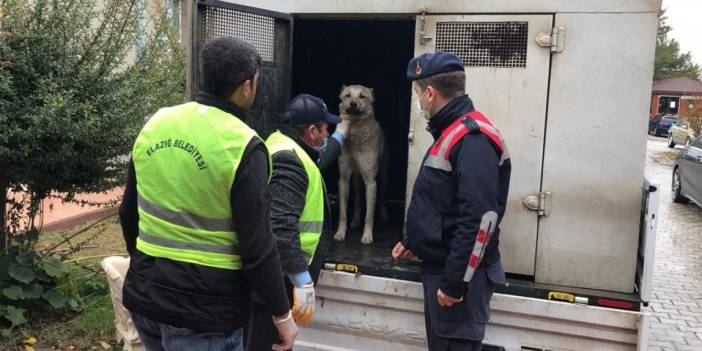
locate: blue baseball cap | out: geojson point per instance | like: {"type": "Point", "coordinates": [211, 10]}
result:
{"type": "Point", "coordinates": [306, 108]}
{"type": "Point", "coordinates": [430, 64]}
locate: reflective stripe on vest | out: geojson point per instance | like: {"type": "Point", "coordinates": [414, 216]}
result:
{"type": "Point", "coordinates": [441, 150]}
{"type": "Point", "coordinates": [311, 221]}
{"type": "Point", "coordinates": [186, 158]}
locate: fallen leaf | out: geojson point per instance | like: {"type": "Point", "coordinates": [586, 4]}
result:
{"type": "Point", "coordinates": [28, 348]}
{"type": "Point", "coordinates": [30, 341]}
{"type": "Point", "coordinates": [105, 345]}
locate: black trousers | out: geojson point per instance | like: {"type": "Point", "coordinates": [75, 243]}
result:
{"type": "Point", "coordinates": [260, 334]}
{"type": "Point", "coordinates": [460, 327]}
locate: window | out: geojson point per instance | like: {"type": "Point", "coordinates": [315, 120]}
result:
{"type": "Point", "coordinates": [256, 29]}
{"type": "Point", "coordinates": [485, 44]}
{"type": "Point", "coordinates": [668, 104]}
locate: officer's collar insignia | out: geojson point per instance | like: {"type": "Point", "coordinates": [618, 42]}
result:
{"type": "Point", "coordinates": [418, 69]}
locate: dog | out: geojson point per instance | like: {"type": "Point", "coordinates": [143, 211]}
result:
{"type": "Point", "coordinates": [364, 153]}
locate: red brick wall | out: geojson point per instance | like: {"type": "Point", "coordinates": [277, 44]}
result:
{"type": "Point", "coordinates": [654, 105]}
{"type": "Point", "coordinates": [682, 109]}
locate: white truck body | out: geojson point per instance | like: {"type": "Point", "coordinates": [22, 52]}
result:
{"type": "Point", "coordinates": [570, 95]}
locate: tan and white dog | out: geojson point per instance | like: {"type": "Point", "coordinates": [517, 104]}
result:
{"type": "Point", "coordinates": [363, 153]}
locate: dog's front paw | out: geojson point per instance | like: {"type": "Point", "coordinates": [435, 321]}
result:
{"type": "Point", "coordinates": [367, 238]}
{"type": "Point", "coordinates": [340, 235]}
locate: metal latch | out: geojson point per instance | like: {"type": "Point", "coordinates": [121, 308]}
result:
{"type": "Point", "coordinates": [423, 37]}
{"type": "Point", "coordinates": [555, 40]}
{"type": "Point", "coordinates": [540, 203]}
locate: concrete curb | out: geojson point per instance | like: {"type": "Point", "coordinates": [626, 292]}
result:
{"type": "Point", "coordinates": [75, 220]}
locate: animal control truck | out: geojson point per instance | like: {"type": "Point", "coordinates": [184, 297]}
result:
{"type": "Point", "coordinates": [558, 77]}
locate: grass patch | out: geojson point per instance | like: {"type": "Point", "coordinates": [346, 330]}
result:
{"type": "Point", "coordinates": [93, 324]}
{"type": "Point", "coordinates": [78, 331]}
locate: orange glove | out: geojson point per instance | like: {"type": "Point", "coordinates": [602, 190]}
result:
{"type": "Point", "coordinates": [303, 303]}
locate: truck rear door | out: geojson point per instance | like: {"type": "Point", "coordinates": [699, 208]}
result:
{"type": "Point", "coordinates": [508, 78]}
{"type": "Point", "coordinates": [270, 33]}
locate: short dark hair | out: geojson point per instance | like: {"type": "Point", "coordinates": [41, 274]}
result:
{"type": "Point", "coordinates": [449, 84]}
{"type": "Point", "coordinates": [226, 63]}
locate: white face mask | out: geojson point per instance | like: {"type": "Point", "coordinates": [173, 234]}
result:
{"type": "Point", "coordinates": [425, 113]}
{"type": "Point", "coordinates": [321, 147]}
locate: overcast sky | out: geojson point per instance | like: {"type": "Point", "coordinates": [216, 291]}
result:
{"type": "Point", "coordinates": [685, 16]}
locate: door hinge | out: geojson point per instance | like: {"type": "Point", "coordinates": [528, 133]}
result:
{"type": "Point", "coordinates": [540, 203]}
{"type": "Point", "coordinates": [555, 40]}
{"type": "Point", "coordinates": [423, 37]}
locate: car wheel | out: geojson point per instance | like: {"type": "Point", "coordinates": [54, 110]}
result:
{"type": "Point", "coordinates": [677, 194]}
{"type": "Point", "coordinates": [671, 143]}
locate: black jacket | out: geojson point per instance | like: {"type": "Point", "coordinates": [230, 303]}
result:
{"type": "Point", "coordinates": [448, 207]}
{"type": "Point", "coordinates": [201, 298]}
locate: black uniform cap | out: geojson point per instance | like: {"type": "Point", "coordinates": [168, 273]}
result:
{"type": "Point", "coordinates": [306, 108]}
{"type": "Point", "coordinates": [427, 65]}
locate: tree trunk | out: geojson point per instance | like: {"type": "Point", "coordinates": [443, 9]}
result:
{"type": "Point", "coordinates": [3, 212]}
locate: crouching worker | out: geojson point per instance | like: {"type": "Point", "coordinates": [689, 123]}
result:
{"type": "Point", "coordinates": [297, 208]}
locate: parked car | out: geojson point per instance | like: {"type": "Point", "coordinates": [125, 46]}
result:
{"type": "Point", "coordinates": [687, 174]}
{"type": "Point", "coordinates": [681, 133]}
{"type": "Point", "coordinates": [659, 126]}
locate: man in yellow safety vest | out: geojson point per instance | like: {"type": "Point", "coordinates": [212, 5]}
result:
{"type": "Point", "coordinates": [299, 149]}
{"type": "Point", "coordinates": [196, 215]}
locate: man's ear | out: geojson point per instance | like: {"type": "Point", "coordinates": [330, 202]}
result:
{"type": "Point", "coordinates": [250, 84]}
{"type": "Point", "coordinates": [431, 89]}
{"type": "Point", "coordinates": [307, 130]}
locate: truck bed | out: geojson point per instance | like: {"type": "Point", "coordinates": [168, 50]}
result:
{"type": "Point", "coordinates": [375, 260]}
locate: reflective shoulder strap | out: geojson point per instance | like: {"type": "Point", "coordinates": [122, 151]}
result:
{"type": "Point", "coordinates": [487, 128]}
{"type": "Point", "coordinates": [438, 157]}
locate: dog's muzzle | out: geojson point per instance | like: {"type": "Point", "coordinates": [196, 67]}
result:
{"type": "Point", "coordinates": [353, 109]}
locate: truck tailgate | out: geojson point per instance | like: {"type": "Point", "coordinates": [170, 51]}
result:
{"type": "Point", "coordinates": [361, 312]}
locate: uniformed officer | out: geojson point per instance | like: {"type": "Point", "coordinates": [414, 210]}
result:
{"type": "Point", "coordinates": [457, 204]}
{"type": "Point", "coordinates": [196, 215]}
{"type": "Point", "coordinates": [297, 210]}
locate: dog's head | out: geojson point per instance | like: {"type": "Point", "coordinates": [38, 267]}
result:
{"type": "Point", "coordinates": [356, 100]}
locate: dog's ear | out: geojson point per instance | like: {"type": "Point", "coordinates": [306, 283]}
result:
{"type": "Point", "coordinates": [341, 92]}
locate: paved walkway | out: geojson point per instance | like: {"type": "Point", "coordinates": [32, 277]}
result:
{"type": "Point", "coordinates": [677, 278]}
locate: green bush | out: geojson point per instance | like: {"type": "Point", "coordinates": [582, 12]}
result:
{"type": "Point", "coordinates": [31, 283]}
{"type": "Point", "coordinates": [77, 81]}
